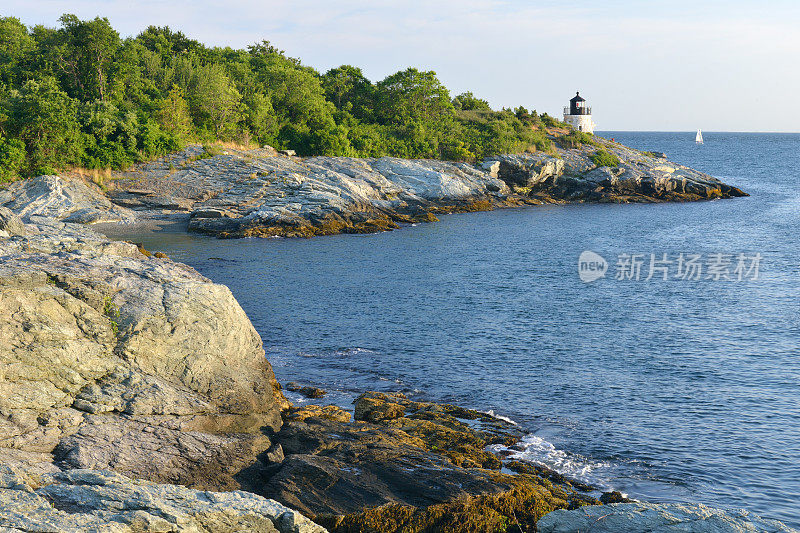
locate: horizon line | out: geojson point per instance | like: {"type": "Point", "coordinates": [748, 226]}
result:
{"type": "Point", "coordinates": [704, 131]}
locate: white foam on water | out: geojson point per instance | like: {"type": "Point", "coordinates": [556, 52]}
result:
{"type": "Point", "coordinates": [499, 417]}
{"type": "Point", "coordinates": [538, 451]}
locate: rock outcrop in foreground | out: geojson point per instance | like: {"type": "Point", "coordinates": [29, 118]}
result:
{"type": "Point", "coordinates": [84, 500]}
{"type": "Point", "coordinates": [243, 193]}
{"type": "Point", "coordinates": [110, 359]}
{"type": "Point", "coordinates": [667, 518]}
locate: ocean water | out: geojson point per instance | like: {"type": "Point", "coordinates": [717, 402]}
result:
{"type": "Point", "coordinates": [668, 390]}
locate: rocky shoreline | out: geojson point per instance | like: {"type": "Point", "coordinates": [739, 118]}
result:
{"type": "Point", "coordinates": [135, 396]}
{"type": "Point", "coordinates": [261, 193]}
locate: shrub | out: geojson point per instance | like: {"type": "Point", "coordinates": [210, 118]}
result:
{"type": "Point", "coordinates": [575, 139]}
{"type": "Point", "coordinates": [538, 139]}
{"type": "Point", "coordinates": [12, 158]}
{"type": "Point", "coordinates": [549, 121]}
{"type": "Point", "coordinates": [603, 158]}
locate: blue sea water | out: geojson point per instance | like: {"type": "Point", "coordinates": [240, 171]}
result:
{"type": "Point", "coordinates": [677, 390]}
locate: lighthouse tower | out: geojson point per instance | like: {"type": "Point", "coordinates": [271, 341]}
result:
{"type": "Point", "coordinates": [579, 115]}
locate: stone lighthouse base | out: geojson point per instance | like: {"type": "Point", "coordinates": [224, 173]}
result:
{"type": "Point", "coordinates": [580, 122]}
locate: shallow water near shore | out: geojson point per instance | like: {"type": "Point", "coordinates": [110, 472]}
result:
{"type": "Point", "coordinates": [676, 390]}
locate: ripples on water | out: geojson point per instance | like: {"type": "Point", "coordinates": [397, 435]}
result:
{"type": "Point", "coordinates": [665, 390]}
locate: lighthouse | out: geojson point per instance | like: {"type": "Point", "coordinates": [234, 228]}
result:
{"type": "Point", "coordinates": [579, 115]}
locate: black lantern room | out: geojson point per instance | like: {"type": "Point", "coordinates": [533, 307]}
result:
{"type": "Point", "coordinates": [577, 106]}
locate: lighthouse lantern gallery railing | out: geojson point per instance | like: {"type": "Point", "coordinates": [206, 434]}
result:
{"type": "Point", "coordinates": [586, 110]}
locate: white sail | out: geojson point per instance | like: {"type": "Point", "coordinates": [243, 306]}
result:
{"type": "Point", "coordinates": [699, 137]}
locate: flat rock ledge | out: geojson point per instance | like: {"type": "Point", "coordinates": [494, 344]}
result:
{"type": "Point", "coordinates": [81, 501]}
{"type": "Point", "coordinates": [655, 518]}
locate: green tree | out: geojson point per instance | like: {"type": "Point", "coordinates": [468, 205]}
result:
{"type": "Point", "coordinates": [167, 42]}
{"type": "Point", "coordinates": [413, 95]}
{"type": "Point", "coordinates": [215, 99]}
{"type": "Point", "coordinates": [260, 118]}
{"type": "Point", "coordinates": [349, 90]}
{"type": "Point", "coordinates": [43, 117]}
{"type": "Point", "coordinates": [15, 44]}
{"type": "Point", "coordinates": [173, 114]}
{"type": "Point", "coordinates": [86, 55]}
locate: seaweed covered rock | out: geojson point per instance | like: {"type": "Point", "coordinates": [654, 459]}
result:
{"type": "Point", "coordinates": [460, 434]}
{"type": "Point", "coordinates": [417, 466]}
{"type": "Point", "coordinates": [326, 412]}
{"type": "Point", "coordinates": [614, 496]}
{"type": "Point", "coordinates": [307, 391]}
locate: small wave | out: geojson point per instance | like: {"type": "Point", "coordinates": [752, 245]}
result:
{"type": "Point", "coordinates": [538, 451]}
{"type": "Point", "coordinates": [355, 351]}
{"type": "Point", "coordinates": [499, 417]}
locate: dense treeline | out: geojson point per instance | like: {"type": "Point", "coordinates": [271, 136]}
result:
{"type": "Point", "coordinates": [80, 95]}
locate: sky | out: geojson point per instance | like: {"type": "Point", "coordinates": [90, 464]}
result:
{"type": "Point", "coordinates": [642, 65]}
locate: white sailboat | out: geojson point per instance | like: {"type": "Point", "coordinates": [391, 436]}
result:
{"type": "Point", "coordinates": [699, 137]}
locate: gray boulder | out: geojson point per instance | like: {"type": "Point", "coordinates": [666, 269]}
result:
{"type": "Point", "coordinates": [655, 518]}
{"type": "Point", "coordinates": [491, 166]}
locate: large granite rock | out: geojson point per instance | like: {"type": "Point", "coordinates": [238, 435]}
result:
{"type": "Point", "coordinates": [85, 500]}
{"type": "Point", "coordinates": [111, 359]}
{"type": "Point", "coordinates": [68, 200]}
{"type": "Point", "coordinates": [655, 518]}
